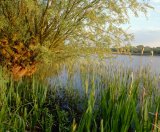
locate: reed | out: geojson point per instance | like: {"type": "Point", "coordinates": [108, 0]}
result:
{"type": "Point", "coordinates": [108, 98]}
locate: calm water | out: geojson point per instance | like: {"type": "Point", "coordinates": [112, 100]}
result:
{"type": "Point", "coordinates": [136, 62]}
{"type": "Point", "coordinates": [132, 62]}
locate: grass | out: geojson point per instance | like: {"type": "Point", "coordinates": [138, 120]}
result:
{"type": "Point", "coordinates": [109, 99]}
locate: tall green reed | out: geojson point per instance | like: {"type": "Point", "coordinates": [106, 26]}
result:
{"type": "Point", "coordinates": [110, 99]}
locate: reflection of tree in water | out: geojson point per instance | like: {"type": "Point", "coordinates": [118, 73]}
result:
{"type": "Point", "coordinates": [55, 68]}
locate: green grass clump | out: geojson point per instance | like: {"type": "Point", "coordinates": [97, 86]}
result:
{"type": "Point", "coordinates": [110, 99]}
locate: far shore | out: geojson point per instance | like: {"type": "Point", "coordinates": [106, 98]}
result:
{"type": "Point", "coordinates": [136, 54]}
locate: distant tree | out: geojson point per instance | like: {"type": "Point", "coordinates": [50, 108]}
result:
{"type": "Point", "coordinates": [140, 46]}
{"type": "Point", "coordinates": [30, 29]}
{"type": "Point", "coordinates": [133, 49]}
{"type": "Point", "coordinates": [147, 50]}
{"type": "Point", "coordinates": [156, 50]}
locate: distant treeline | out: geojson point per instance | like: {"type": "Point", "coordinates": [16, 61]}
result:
{"type": "Point", "coordinates": [137, 50]}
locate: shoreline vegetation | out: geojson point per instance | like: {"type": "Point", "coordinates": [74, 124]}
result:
{"type": "Point", "coordinates": [110, 99]}
{"type": "Point", "coordinates": [137, 50]}
{"type": "Point", "coordinates": [135, 54]}
{"type": "Point", "coordinates": [39, 38]}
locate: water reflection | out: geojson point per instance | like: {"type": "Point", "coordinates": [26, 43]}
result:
{"type": "Point", "coordinates": [137, 62]}
{"type": "Point", "coordinates": [76, 72]}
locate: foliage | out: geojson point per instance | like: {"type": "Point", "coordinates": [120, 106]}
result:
{"type": "Point", "coordinates": [156, 50]}
{"type": "Point", "coordinates": [136, 50]}
{"type": "Point", "coordinates": [147, 50]}
{"type": "Point", "coordinates": [56, 24]}
{"type": "Point", "coordinates": [108, 100]}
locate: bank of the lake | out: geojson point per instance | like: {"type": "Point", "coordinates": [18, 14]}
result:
{"type": "Point", "coordinates": [110, 99]}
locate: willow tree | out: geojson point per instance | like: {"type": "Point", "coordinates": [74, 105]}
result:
{"type": "Point", "coordinates": [29, 29]}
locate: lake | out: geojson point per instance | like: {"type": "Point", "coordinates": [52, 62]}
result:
{"type": "Point", "coordinates": [134, 63]}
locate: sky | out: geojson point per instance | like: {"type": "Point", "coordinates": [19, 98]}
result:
{"type": "Point", "coordinates": [147, 30]}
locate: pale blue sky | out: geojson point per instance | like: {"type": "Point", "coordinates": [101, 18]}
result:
{"type": "Point", "coordinates": [147, 30]}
